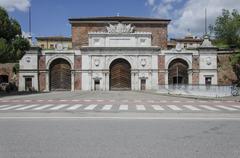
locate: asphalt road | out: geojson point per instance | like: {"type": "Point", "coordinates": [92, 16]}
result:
{"type": "Point", "coordinates": [116, 138]}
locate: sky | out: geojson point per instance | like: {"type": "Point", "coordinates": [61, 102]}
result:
{"type": "Point", "coordinates": [50, 17]}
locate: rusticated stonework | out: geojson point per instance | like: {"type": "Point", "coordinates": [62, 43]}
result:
{"type": "Point", "coordinates": [226, 76]}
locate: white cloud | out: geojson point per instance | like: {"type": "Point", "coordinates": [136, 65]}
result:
{"type": "Point", "coordinates": [191, 14]}
{"type": "Point", "coordinates": [12, 5]}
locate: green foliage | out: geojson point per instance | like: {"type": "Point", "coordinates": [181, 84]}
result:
{"type": "Point", "coordinates": [12, 44]}
{"type": "Point", "coordinates": [227, 28]}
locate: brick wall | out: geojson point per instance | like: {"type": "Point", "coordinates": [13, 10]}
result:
{"type": "Point", "coordinates": [7, 69]}
{"type": "Point", "coordinates": [80, 33]}
{"type": "Point", "coordinates": [195, 68]}
{"type": "Point", "coordinates": [78, 73]}
{"type": "Point", "coordinates": [225, 71]}
{"type": "Point", "coordinates": [161, 69]}
{"type": "Point", "coordinates": [42, 73]}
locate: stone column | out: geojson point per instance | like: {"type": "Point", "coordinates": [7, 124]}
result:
{"type": "Point", "coordinates": [72, 80]}
{"type": "Point", "coordinates": [47, 81]}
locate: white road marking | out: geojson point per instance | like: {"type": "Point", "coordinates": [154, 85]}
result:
{"type": "Point", "coordinates": [12, 107]}
{"type": "Point", "coordinates": [2, 106]}
{"type": "Point", "coordinates": [140, 107]}
{"type": "Point", "coordinates": [209, 107]}
{"type": "Point", "coordinates": [123, 107]}
{"type": "Point", "coordinates": [162, 101]}
{"type": "Point", "coordinates": [27, 100]}
{"type": "Point", "coordinates": [112, 100]}
{"type": "Point", "coordinates": [230, 101]}
{"type": "Point", "coordinates": [176, 101]}
{"type": "Point", "coordinates": [150, 101]}
{"type": "Point", "coordinates": [59, 107]}
{"type": "Point", "coordinates": [216, 101]}
{"type": "Point", "coordinates": [190, 101]}
{"type": "Point", "coordinates": [74, 107]}
{"type": "Point", "coordinates": [191, 107]}
{"type": "Point", "coordinates": [226, 108]}
{"type": "Point", "coordinates": [27, 107]}
{"type": "Point", "coordinates": [202, 101]}
{"type": "Point", "coordinates": [157, 107]}
{"type": "Point", "coordinates": [174, 107]}
{"type": "Point", "coordinates": [43, 107]}
{"type": "Point", "coordinates": [107, 107]}
{"type": "Point", "coordinates": [49, 100]}
{"type": "Point", "coordinates": [137, 101]}
{"type": "Point", "coordinates": [236, 106]}
{"type": "Point", "coordinates": [87, 100]}
{"type": "Point", "coordinates": [75, 100]}
{"type": "Point", "coordinates": [39, 100]}
{"type": "Point", "coordinates": [90, 107]}
{"type": "Point", "coordinates": [99, 100]}
{"type": "Point", "coordinates": [63, 100]}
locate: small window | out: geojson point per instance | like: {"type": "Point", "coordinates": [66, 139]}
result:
{"type": "Point", "coordinates": [42, 45]}
{"type": "Point", "coordinates": [3, 78]}
{"type": "Point", "coordinates": [97, 85]}
{"type": "Point", "coordinates": [208, 80]}
{"type": "Point", "coordinates": [51, 46]}
{"type": "Point", "coordinates": [28, 84]}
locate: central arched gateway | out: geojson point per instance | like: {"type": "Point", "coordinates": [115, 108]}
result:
{"type": "Point", "coordinates": [120, 75]}
{"type": "Point", "coordinates": [60, 75]}
{"type": "Point", "coordinates": [178, 72]}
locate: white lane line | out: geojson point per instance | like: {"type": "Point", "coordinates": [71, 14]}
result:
{"type": "Point", "coordinates": [27, 100]}
{"type": "Point", "coordinates": [190, 101]}
{"type": "Point", "coordinates": [99, 100]}
{"type": "Point", "coordinates": [107, 107]}
{"type": "Point", "coordinates": [90, 107]}
{"type": "Point", "coordinates": [157, 107]}
{"type": "Point", "coordinates": [27, 107]}
{"type": "Point", "coordinates": [162, 101]}
{"type": "Point", "coordinates": [59, 107]}
{"type": "Point", "coordinates": [226, 108]}
{"type": "Point", "coordinates": [12, 107]}
{"type": "Point", "coordinates": [63, 100]}
{"type": "Point", "coordinates": [150, 101]}
{"type": "Point", "coordinates": [174, 107]}
{"type": "Point", "coordinates": [209, 107]}
{"type": "Point", "coordinates": [2, 106]}
{"type": "Point", "coordinates": [193, 108]}
{"type": "Point", "coordinates": [39, 100]}
{"type": "Point", "coordinates": [87, 100]}
{"type": "Point", "coordinates": [74, 107]}
{"type": "Point", "coordinates": [75, 100]}
{"type": "Point", "coordinates": [236, 106]}
{"type": "Point", "coordinates": [202, 101]}
{"type": "Point", "coordinates": [140, 107]}
{"type": "Point", "coordinates": [123, 107]}
{"type": "Point", "coordinates": [43, 107]}
{"type": "Point", "coordinates": [216, 101]}
{"type": "Point", "coordinates": [176, 101]}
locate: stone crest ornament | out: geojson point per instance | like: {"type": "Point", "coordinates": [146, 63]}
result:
{"type": "Point", "coordinates": [208, 61]}
{"type": "Point", "coordinates": [178, 47]}
{"type": "Point", "coordinates": [120, 28]}
{"type": "Point", "coordinates": [96, 62]}
{"type": "Point", "coordinates": [28, 59]}
{"type": "Point", "coordinates": [59, 47]}
{"type": "Point", "coordinates": [143, 62]}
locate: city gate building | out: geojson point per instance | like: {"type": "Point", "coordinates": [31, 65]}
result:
{"type": "Point", "coordinates": [120, 53]}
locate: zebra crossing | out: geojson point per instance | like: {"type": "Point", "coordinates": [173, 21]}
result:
{"type": "Point", "coordinates": [121, 107]}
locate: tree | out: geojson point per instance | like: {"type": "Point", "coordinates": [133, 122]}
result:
{"type": "Point", "coordinates": [12, 44]}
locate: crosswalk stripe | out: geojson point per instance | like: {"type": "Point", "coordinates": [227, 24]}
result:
{"type": "Point", "coordinates": [191, 107]}
{"type": "Point", "coordinates": [174, 107]}
{"type": "Point", "coordinates": [209, 107]}
{"type": "Point", "coordinates": [226, 108]}
{"type": "Point", "coordinates": [157, 107]}
{"type": "Point", "coordinates": [43, 107]}
{"type": "Point", "coordinates": [90, 107]}
{"type": "Point", "coordinates": [12, 107]}
{"type": "Point", "coordinates": [74, 107]}
{"type": "Point", "coordinates": [2, 106]}
{"type": "Point", "coordinates": [27, 107]}
{"type": "Point", "coordinates": [123, 107]}
{"type": "Point", "coordinates": [140, 107]}
{"type": "Point", "coordinates": [107, 107]}
{"type": "Point", "coordinates": [59, 107]}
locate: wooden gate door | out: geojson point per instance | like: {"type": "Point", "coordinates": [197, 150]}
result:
{"type": "Point", "coordinates": [120, 75]}
{"type": "Point", "coordinates": [60, 75]}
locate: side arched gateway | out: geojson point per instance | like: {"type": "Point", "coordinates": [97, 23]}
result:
{"type": "Point", "coordinates": [178, 72]}
{"type": "Point", "coordinates": [120, 75]}
{"type": "Point", "coordinates": [60, 75]}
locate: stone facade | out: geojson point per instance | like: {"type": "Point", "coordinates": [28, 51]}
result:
{"type": "Point", "coordinates": [140, 43]}
{"type": "Point", "coordinates": [7, 70]}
